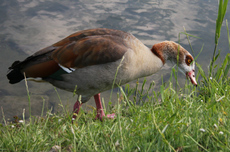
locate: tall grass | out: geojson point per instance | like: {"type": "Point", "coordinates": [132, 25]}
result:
{"type": "Point", "coordinates": [220, 17]}
{"type": "Point", "coordinates": [187, 119]}
{"type": "Point", "coordinates": [167, 120]}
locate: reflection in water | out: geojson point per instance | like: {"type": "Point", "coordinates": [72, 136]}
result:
{"type": "Point", "coordinates": [29, 25]}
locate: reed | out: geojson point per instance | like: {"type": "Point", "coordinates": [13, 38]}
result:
{"type": "Point", "coordinates": [220, 17]}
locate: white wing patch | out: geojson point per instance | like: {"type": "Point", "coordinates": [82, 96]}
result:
{"type": "Point", "coordinates": [68, 70]}
{"type": "Point", "coordinates": [37, 79]}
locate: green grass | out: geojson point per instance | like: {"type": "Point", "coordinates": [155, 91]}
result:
{"type": "Point", "coordinates": [172, 119]}
{"type": "Point", "coordinates": [166, 121]}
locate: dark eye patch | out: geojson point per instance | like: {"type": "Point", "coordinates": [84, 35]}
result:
{"type": "Point", "coordinates": [188, 59]}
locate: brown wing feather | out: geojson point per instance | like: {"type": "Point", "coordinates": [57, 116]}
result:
{"type": "Point", "coordinates": [90, 50]}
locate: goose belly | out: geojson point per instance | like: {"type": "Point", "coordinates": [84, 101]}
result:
{"type": "Point", "coordinates": [91, 80]}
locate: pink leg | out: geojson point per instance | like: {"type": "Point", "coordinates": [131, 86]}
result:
{"type": "Point", "coordinates": [100, 112]}
{"type": "Point", "coordinates": [76, 109]}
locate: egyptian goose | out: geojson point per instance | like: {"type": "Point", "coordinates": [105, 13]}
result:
{"type": "Point", "coordinates": [87, 62]}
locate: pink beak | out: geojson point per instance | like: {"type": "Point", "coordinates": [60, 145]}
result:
{"type": "Point", "coordinates": [191, 75]}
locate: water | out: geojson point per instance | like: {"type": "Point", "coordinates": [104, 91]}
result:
{"type": "Point", "coordinates": [29, 25]}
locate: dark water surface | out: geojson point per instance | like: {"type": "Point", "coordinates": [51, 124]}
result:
{"type": "Point", "coordinates": [29, 25]}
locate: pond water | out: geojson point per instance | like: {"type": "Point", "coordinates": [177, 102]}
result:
{"type": "Point", "coordinates": [29, 25]}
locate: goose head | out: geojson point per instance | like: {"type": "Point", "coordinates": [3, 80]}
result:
{"type": "Point", "coordinates": [169, 50]}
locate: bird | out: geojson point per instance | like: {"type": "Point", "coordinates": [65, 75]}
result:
{"type": "Point", "coordinates": [91, 61]}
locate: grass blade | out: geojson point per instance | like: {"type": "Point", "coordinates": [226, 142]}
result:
{"type": "Point", "coordinates": [228, 33]}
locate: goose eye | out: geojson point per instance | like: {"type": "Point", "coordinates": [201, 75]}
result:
{"type": "Point", "coordinates": [188, 59]}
